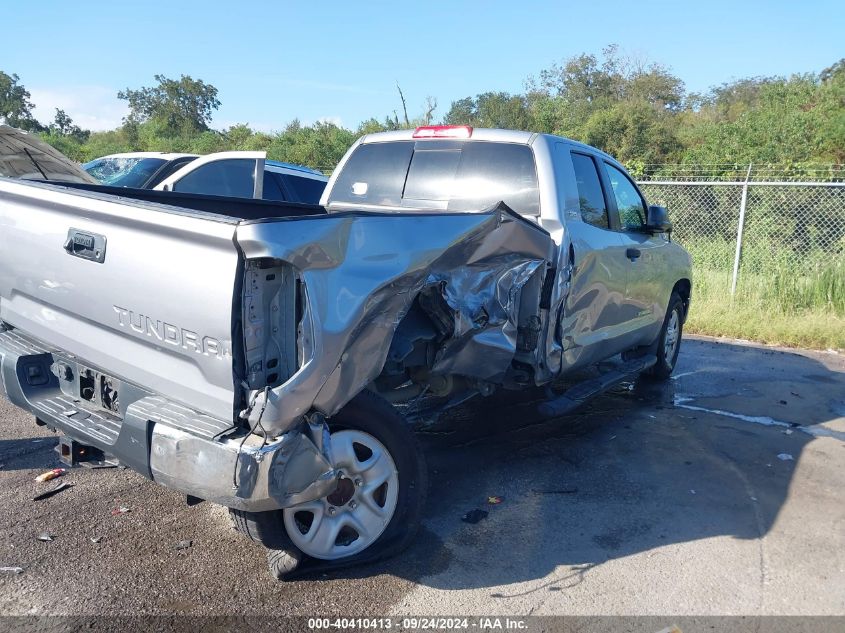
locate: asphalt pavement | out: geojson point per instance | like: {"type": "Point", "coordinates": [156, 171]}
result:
{"type": "Point", "coordinates": [719, 492]}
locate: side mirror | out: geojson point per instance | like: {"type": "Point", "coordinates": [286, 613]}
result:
{"type": "Point", "coordinates": [658, 220]}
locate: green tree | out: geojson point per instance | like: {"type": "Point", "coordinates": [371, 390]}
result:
{"type": "Point", "coordinates": [63, 125]}
{"type": "Point", "coordinates": [320, 145]}
{"type": "Point", "coordinates": [15, 104]}
{"type": "Point", "coordinates": [491, 109]}
{"type": "Point", "coordinates": [774, 121]}
{"type": "Point", "coordinates": [633, 132]}
{"type": "Point", "coordinates": [373, 125]}
{"type": "Point", "coordinates": [181, 107]}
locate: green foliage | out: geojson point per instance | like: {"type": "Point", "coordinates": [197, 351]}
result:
{"type": "Point", "coordinates": [320, 145]}
{"type": "Point", "coordinates": [635, 110]}
{"type": "Point", "coordinates": [491, 109]}
{"type": "Point", "coordinates": [763, 308]}
{"type": "Point", "coordinates": [180, 107]}
{"type": "Point", "coordinates": [15, 106]}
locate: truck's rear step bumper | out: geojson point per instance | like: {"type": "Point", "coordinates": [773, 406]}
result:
{"type": "Point", "coordinates": [167, 442]}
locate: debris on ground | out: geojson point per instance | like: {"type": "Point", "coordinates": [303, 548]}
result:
{"type": "Point", "coordinates": [49, 493]}
{"type": "Point", "coordinates": [788, 432]}
{"type": "Point", "coordinates": [12, 570]}
{"type": "Point", "coordinates": [51, 474]}
{"type": "Point", "coordinates": [120, 510]}
{"type": "Point", "coordinates": [474, 516]}
{"type": "Point", "coordinates": [692, 491]}
{"type": "Point", "coordinates": [785, 457]}
{"type": "Point", "coordinates": [45, 536]}
{"type": "Point", "coordinates": [494, 501]}
{"type": "Point", "coordinates": [96, 539]}
{"type": "Point", "coordinates": [183, 545]}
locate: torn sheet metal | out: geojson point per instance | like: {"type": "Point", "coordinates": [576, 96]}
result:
{"type": "Point", "coordinates": [362, 272]}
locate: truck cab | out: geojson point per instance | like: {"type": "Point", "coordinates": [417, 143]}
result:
{"type": "Point", "coordinates": [615, 270]}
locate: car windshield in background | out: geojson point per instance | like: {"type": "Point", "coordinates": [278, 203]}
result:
{"type": "Point", "coordinates": [124, 172]}
{"type": "Point", "coordinates": [444, 175]}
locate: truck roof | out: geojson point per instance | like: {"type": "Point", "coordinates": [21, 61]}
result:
{"type": "Point", "coordinates": [481, 134]}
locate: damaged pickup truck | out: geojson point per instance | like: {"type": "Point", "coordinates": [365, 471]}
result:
{"type": "Point", "coordinates": [257, 354]}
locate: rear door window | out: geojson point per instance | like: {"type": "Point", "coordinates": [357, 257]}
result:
{"type": "Point", "coordinates": [590, 193]}
{"type": "Point", "coordinates": [234, 177]}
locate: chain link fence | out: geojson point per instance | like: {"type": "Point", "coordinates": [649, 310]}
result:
{"type": "Point", "coordinates": [779, 244]}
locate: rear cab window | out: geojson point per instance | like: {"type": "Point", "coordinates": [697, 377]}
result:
{"type": "Point", "coordinates": [446, 175]}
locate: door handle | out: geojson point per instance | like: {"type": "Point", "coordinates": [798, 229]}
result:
{"type": "Point", "coordinates": [632, 253]}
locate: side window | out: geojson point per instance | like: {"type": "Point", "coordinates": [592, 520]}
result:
{"type": "Point", "coordinates": [628, 199]}
{"type": "Point", "coordinates": [272, 187]}
{"type": "Point", "coordinates": [171, 168]}
{"type": "Point", "coordinates": [590, 194]}
{"type": "Point", "coordinates": [307, 190]}
{"type": "Point", "coordinates": [233, 177]}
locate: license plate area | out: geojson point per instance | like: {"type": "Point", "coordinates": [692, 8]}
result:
{"type": "Point", "coordinates": [99, 390]}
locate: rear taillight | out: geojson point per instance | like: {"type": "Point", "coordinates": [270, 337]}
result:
{"type": "Point", "coordinates": [443, 131]}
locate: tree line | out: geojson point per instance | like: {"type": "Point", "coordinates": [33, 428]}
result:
{"type": "Point", "coordinates": [636, 110]}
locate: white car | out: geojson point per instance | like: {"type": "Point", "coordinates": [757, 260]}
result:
{"type": "Point", "coordinates": [220, 174]}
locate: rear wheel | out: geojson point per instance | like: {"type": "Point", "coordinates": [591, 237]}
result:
{"type": "Point", "coordinates": [376, 507]}
{"type": "Point", "coordinates": [669, 339]}
{"type": "Point", "coordinates": [355, 515]}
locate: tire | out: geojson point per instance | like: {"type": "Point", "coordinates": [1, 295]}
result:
{"type": "Point", "coordinates": [365, 416]}
{"type": "Point", "coordinates": [261, 527]}
{"type": "Point", "coordinates": [283, 562]}
{"type": "Point", "coordinates": [672, 330]}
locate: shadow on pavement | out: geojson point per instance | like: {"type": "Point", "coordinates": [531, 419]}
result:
{"type": "Point", "coordinates": [631, 473]}
{"type": "Point", "coordinates": [28, 452]}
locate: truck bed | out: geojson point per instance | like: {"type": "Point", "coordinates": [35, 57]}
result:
{"type": "Point", "coordinates": [229, 209]}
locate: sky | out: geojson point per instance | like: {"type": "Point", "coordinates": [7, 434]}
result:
{"type": "Point", "coordinates": [340, 61]}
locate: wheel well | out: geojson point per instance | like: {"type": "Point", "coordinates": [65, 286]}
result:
{"type": "Point", "coordinates": [684, 289]}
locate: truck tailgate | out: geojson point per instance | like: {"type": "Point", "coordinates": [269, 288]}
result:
{"type": "Point", "coordinates": [139, 291]}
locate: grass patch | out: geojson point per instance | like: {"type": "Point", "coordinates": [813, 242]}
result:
{"type": "Point", "coordinates": [789, 305]}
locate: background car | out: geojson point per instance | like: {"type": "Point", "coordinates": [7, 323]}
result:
{"type": "Point", "coordinates": [25, 156]}
{"type": "Point", "coordinates": [221, 174]}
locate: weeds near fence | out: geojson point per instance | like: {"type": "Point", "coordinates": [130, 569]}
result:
{"type": "Point", "coordinates": [791, 301]}
{"type": "Point", "coordinates": [790, 284]}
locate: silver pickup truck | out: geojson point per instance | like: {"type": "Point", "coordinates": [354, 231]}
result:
{"type": "Point", "coordinates": [259, 355]}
